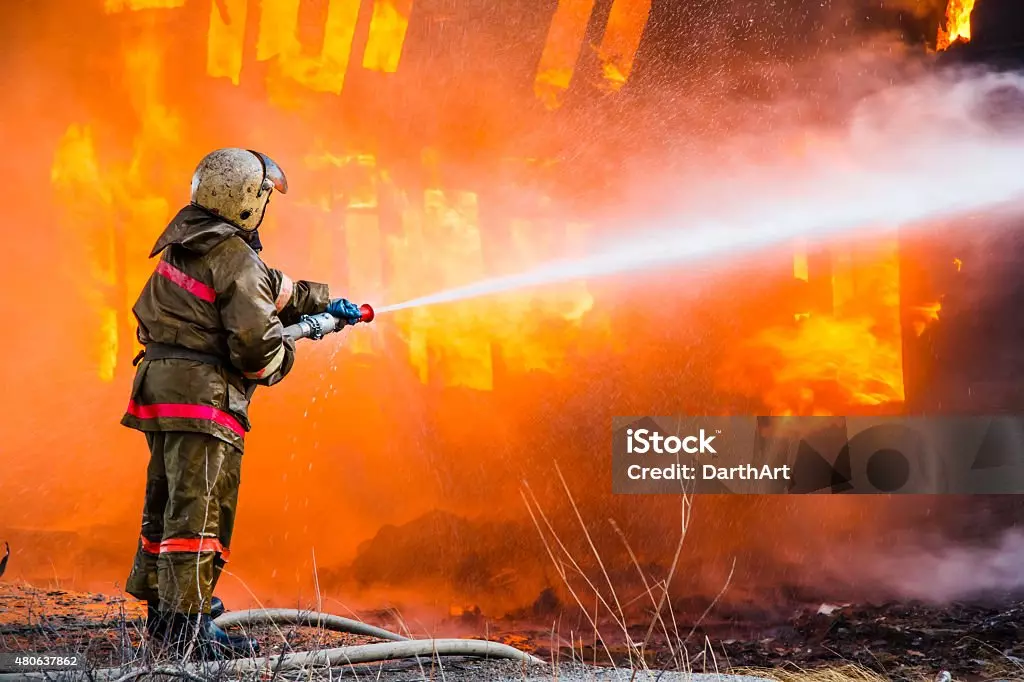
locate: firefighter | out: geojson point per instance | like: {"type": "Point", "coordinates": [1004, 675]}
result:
{"type": "Point", "coordinates": [211, 318]}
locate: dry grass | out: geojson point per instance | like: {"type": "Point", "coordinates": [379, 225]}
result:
{"type": "Point", "coordinates": [122, 638]}
{"type": "Point", "coordinates": [114, 639]}
{"type": "Point", "coordinates": [607, 603]}
{"type": "Point", "coordinates": [843, 673]}
{"type": "Point", "coordinates": [600, 603]}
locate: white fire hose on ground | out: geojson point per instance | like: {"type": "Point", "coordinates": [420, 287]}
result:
{"type": "Point", "coordinates": [398, 647]}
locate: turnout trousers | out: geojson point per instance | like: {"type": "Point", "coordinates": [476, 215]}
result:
{"type": "Point", "coordinates": [187, 519]}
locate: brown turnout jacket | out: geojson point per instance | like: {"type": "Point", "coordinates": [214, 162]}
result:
{"type": "Point", "coordinates": [211, 294]}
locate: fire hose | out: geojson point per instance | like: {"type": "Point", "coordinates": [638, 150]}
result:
{"type": "Point", "coordinates": [398, 647]}
{"type": "Point", "coordinates": [308, 618]}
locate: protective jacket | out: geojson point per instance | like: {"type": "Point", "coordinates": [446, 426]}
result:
{"type": "Point", "coordinates": [212, 317]}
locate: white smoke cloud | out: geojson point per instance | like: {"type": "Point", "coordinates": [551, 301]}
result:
{"type": "Point", "coordinates": [944, 571]}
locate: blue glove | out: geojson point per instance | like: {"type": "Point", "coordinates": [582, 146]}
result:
{"type": "Point", "coordinates": [345, 310]}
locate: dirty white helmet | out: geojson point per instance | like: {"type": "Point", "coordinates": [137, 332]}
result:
{"type": "Point", "coordinates": [236, 185]}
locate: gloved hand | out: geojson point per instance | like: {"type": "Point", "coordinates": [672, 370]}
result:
{"type": "Point", "coordinates": [345, 310]}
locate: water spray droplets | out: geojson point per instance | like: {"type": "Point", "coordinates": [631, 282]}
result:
{"type": "Point", "coordinates": [882, 173]}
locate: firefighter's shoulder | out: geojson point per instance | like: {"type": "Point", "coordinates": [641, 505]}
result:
{"type": "Point", "coordinates": [233, 261]}
{"type": "Point", "coordinates": [234, 254]}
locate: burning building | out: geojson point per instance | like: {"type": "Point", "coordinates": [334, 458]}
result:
{"type": "Point", "coordinates": [433, 142]}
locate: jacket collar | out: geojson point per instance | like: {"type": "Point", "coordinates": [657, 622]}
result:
{"type": "Point", "coordinates": [199, 231]}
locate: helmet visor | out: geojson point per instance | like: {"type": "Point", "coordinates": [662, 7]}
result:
{"type": "Point", "coordinates": [273, 176]}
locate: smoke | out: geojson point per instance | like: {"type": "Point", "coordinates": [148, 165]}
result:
{"type": "Point", "coordinates": [940, 569]}
{"type": "Point", "coordinates": [957, 572]}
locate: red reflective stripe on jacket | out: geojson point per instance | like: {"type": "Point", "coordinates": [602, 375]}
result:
{"type": "Point", "coordinates": [284, 296]}
{"type": "Point", "coordinates": [185, 411]}
{"type": "Point", "coordinates": [189, 284]}
{"type": "Point", "coordinates": [185, 545]}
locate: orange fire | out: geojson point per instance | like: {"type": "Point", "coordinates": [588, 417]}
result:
{"type": "Point", "coordinates": [279, 37]}
{"type": "Point", "coordinates": [387, 35]}
{"type": "Point", "coordinates": [957, 26]}
{"type": "Point", "coordinates": [836, 360]}
{"type": "Point", "coordinates": [423, 425]}
{"type": "Point", "coordinates": [562, 49]}
{"type": "Point", "coordinates": [76, 176]}
{"type": "Point", "coordinates": [617, 50]}
{"type": "Point", "coordinates": [626, 25]}
{"type": "Point", "coordinates": [924, 316]}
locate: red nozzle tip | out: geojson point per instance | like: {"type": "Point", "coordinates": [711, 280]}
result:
{"type": "Point", "coordinates": [367, 313]}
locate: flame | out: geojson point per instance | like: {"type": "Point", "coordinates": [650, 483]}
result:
{"type": "Point", "coordinates": [528, 348]}
{"type": "Point", "coordinates": [119, 200]}
{"type": "Point", "coordinates": [830, 364]}
{"type": "Point", "coordinates": [77, 179]}
{"type": "Point", "coordinates": [825, 363]}
{"type": "Point", "coordinates": [388, 25]}
{"type": "Point", "coordinates": [226, 39]}
{"type": "Point", "coordinates": [626, 24]}
{"type": "Point", "coordinates": [561, 50]}
{"type": "Point", "coordinates": [627, 20]}
{"type": "Point", "coordinates": [957, 27]}
{"type": "Point", "coordinates": [279, 38]}
{"type": "Point", "coordinates": [924, 315]}
{"type": "Point", "coordinates": [462, 354]}
{"type": "Point", "coordinates": [455, 345]}
{"type": "Point", "coordinates": [378, 221]}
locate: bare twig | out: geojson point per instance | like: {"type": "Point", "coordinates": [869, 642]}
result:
{"type": "Point", "coordinates": [684, 511]}
{"type": "Point", "coordinates": [600, 563]}
{"type": "Point", "coordinates": [559, 567]}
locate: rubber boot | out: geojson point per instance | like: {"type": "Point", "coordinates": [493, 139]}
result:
{"type": "Point", "coordinates": [217, 608]}
{"type": "Point", "coordinates": [206, 640]}
{"type": "Point", "coordinates": [237, 646]}
{"type": "Point", "coordinates": [156, 631]}
{"type": "Point", "coordinates": [156, 623]}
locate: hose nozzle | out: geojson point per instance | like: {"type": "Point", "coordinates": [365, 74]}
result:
{"type": "Point", "coordinates": [317, 326]}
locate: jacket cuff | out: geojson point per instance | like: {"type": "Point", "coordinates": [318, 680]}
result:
{"type": "Point", "coordinates": [319, 297]}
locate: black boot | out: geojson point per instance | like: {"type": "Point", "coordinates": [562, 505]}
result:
{"type": "Point", "coordinates": [237, 646]}
{"type": "Point", "coordinates": [206, 640]}
{"type": "Point", "coordinates": [217, 608]}
{"type": "Point", "coordinates": [156, 623]}
{"type": "Point", "coordinates": [156, 630]}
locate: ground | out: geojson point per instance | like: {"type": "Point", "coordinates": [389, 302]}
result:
{"type": "Point", "coordinates": [893, 641]}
